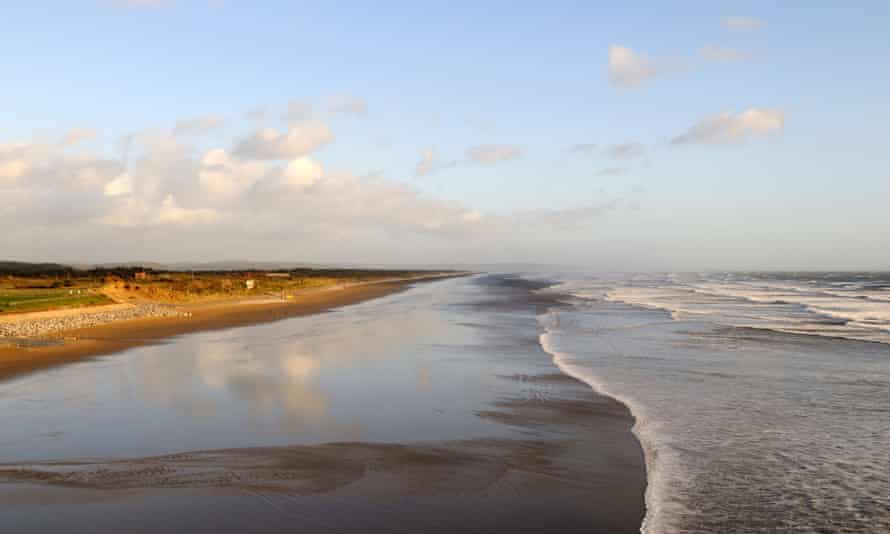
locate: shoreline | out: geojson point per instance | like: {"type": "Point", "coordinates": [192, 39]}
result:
{"type": "Point", "coordinates": [111, 337]}
{"type": "Point", "coordinates": [647, 448]}
{"type": "Point", "coordinates": [495, 436]}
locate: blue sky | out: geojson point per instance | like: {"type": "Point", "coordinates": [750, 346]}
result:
{"type": "Point", "coordinates": [802, 177]}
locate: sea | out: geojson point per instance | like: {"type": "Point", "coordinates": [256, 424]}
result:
{"type": "Point", "coordinates": [762, 400]}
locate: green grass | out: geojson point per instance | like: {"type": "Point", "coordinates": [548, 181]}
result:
{"type": "Point", "coordinates": [28, 300]}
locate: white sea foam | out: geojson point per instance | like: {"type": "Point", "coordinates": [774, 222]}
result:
{"type": "Point", "coordinates": [742, 432]}
{"type": "Point", "coordinates": [814, 309]}
{"type": "Point", "coordinates": [640, 429]}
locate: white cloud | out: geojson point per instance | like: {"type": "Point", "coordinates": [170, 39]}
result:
{"type": "Point", "coordinates": [171, 213]}
{"type": "Point", "coordinates": [722, 53]}
{"type": "Point", "coordinates": [198, 125]}
{"type": "Point", "coordinates": [302, 172]}
{"type": "Point", "coordinates": [490, 154]}
{"type": "Point", "coordinates": [133, 211]}
{"type": "Point", "coordinates": [739, 23]}
{"type": "Point", "coordinates": [346, 104]}
{"type": "Point", "coordinates": [629, 69]}
{"type": "Point", "coordinates": [71, 202]}
{"type": "Point", "coordinates": [625, 151]}
{"type": "Point", "coordinates": [727, 128]}
{"type": "Point", "coordinates": [92, 175]}
{"type": "Point", "coordinates": [13, 169]}
{"type": "Point", "coordinates": [120, 185]}
{"type": "Point", "coordinates": [224, 176]}
{"type": "Point", "coordinates": [16, 161]}
{"type": "Point", "coordinates": [299, 140]}
{"type": "Point", "coordinates": [126, 211]}
{"type": "Point", "coordinates": [165, 184]}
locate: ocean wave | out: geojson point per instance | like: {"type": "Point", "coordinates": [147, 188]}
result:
{"type": "Point", "coordinates": [778, 307]}
{"type": "Point", "coordinates": [742, 430]}
{"type": "Point", "coordinates": [654, 503]}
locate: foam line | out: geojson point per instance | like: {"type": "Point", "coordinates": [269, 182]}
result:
{"type": "Point", "coordinates": [647, 441]}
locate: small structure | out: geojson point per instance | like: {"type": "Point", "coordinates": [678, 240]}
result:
{"type": "Point", "coordinates": [277, 275]}
{"type": "Point", "coordinates": [250, 283]}
{"type": "Point", "coordinates": [141, 275]}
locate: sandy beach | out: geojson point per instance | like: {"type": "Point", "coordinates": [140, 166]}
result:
{"type": "Point", "coordinates": [432, 410]}
{"type": "Point", "coordinates": [119, 335]}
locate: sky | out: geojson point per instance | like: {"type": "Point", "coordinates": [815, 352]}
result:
{"type": "Point", "coordinates": [624, 136]}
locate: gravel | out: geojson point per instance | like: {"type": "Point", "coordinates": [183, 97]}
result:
{"type": "Point", "coordinates": [52, 325]}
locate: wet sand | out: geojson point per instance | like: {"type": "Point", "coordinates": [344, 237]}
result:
{"type": "Point", "coordinates": [579, 471]}
{"type": "Point", "coordinates": [114, 337]}
{"type": "Point", "coordinates": [528, 449]}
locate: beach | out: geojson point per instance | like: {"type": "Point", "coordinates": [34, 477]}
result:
{"type": "Point", "coordinates": [72, 344]}
{"type": "Point", "coordinates": [407, 407]}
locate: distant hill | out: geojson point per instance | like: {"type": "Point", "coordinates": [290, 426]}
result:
{"type": "Point", "coordinates": [25, 268]}
{"type": "Point", "coordinates": [19, 268]}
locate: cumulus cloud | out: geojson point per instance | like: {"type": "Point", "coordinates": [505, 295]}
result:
{"type": "Point", "coordinates": [252, 195]}
{"type": "Point", "coordinates": [165, 184]}
{"type": "Point", "coordinates": [739, 23]}
{"type": "Point", "coordinates": [629, 69]}
{"type": "Point", "coordinates": [722, 53]}
{"type": "Point", "coordinates": [224, 176]}
{"type": "Point", "coordinates": [302, 172]}
{"type": "Point", "coordinates": [170, 212]}
{"type": "Point", "coordinates": [334, 202]}
{"type": "Point", "coordinates": [133, 211]}
{"type": "Point", "coordinates": [118, 186]}
{"type": "Point", "coordinates": [298, 140]}
{"type": "Point", "coordinates": [12, 169]}
{"type": "Point", "coordinates": [348, 105]}
{"type": "Point", "coordinates": [14, 162]}
{"type": "Point", "coordinates": [728, 127]}
{"type": "Point", "coordinates": [490, 154]}
{"type": "Point", "coordinates": [90, 172]}
{"type": "Point", "coordinates": [198, 125]}
{"type": "Point", "coordinates": [625, 151]}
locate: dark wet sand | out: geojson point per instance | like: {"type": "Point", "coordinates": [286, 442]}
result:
{"type": "Point", "coordinates": [583, 474]}
{"type": "Point", "coordinates": [574, 467]}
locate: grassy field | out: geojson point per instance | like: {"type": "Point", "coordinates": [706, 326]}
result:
{"type": "Point", "coordinates": [198, 287]}
{"type": "Point", "coordinates": [29, 300]}
{"type": "Point", "coordinates": [28, 293]}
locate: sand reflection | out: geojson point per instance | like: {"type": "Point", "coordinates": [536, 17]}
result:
{"type": "Point", "coordinates": [272, 372]}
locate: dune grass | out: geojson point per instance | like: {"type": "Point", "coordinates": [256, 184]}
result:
{"type": "Point", "coordinates": [30, 300]}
